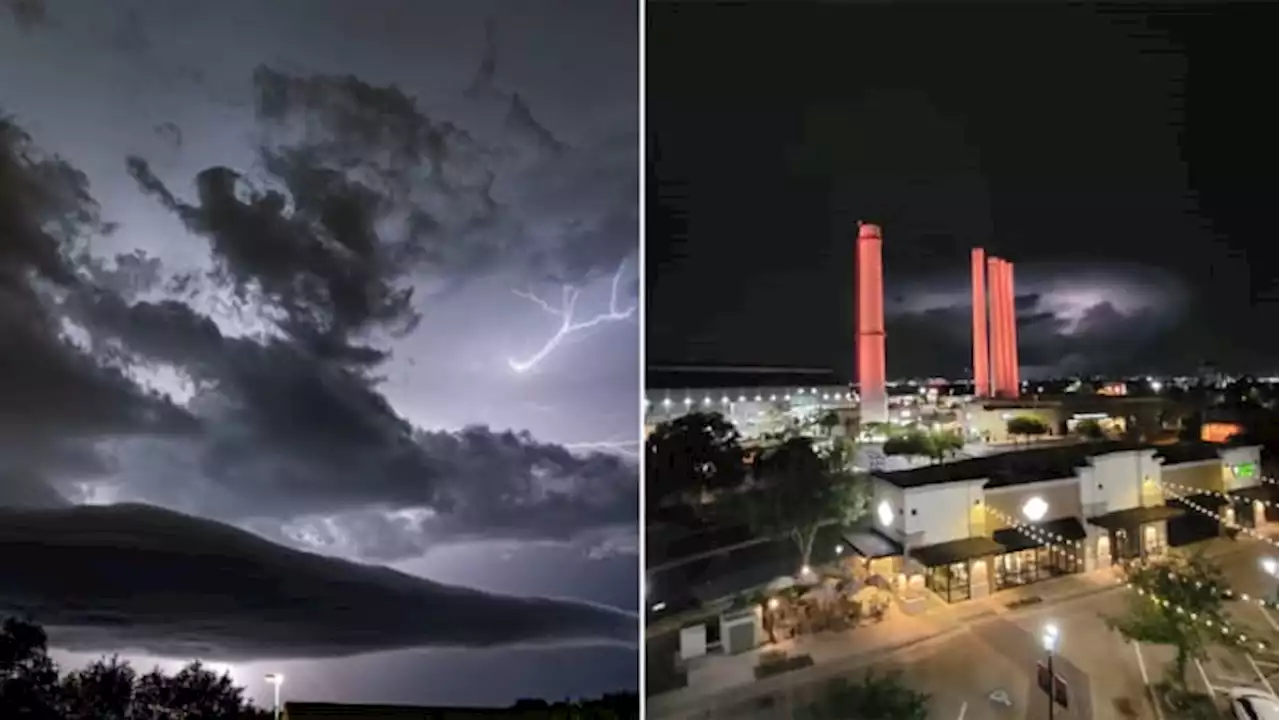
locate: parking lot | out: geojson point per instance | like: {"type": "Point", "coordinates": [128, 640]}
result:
{"type": "Point", "coordinates": [987, 669]}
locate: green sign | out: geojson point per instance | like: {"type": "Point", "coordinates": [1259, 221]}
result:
{"type": "Point", "coordinates": [1245, 470]}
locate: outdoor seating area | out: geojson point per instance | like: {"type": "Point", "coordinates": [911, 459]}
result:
{"type": "Point", "coordinates": [831, 605]}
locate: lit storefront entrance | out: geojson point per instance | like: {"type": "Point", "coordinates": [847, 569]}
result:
{"type": "Point", "coordinates": [957, 570]}
{"type": "Point", "coordinates": [1137, 533]}
{"type": "Point", "coordinates": [1251, 504]}
{"type": "Point", "coordinates": [1027, 560]}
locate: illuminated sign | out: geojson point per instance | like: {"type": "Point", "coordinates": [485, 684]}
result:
{"type": "Point", "coordinates": [1245, 470]}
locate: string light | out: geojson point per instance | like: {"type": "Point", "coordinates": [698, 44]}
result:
{"type": "Point", "coordinates": [1073, 548]}
{"type": "Point", "coordinates": [1222, 628]}
{"type": "Point", "coordinates": [1199, 584]}
{"type": "Point", "coordinates": [1221, 495]}
{"type": "Point", "coordinates": [1206, 511]}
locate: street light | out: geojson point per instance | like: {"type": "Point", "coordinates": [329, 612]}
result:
{"type": "Point", "coordinates": [1272, 568]}
{"type": "Point", "coordinates": [1049, 638]}
{"type": "Point", "coordinates": [276, 679]}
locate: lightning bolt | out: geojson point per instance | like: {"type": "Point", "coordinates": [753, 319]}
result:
{"type": "Point", "coordinates": [565, 313]}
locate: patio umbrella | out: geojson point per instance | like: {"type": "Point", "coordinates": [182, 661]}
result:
{"type": "Point", "coordinates": [780, 583]}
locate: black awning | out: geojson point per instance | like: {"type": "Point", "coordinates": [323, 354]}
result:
{"type": "Point", "coordinates": [1266, 493]}
{"type": "Point", "coordinates": [1135, 517]}
{"type": "Point", "coordinates": [956, 551]}
{"type": "Point", "coordinates": [872, 544]}
{"type": "Point", "coordinates": [1068, 528]}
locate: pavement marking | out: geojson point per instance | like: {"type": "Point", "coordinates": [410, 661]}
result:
{"type": "Point", "coordinates": [1146, 680]}
{"type": "Point", "coordinates": [1267, 614]}
{"type": "Point", "coordinates": [1205, 676]}
{"type": "Point", "coordinates": [964, 707]}
{"type": "Point", "coordinates": [1261, 677]}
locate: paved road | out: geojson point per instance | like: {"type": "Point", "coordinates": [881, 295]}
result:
{"type": "Point", "coordinates": [1000, 654]}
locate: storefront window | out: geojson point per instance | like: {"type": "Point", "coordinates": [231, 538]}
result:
{"type": "Point", "coordinates": [1024, 567]}
{"type": "Point", "coordinates": [949, 582]}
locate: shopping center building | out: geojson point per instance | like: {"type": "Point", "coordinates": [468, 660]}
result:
{"type": "Point", "coordinates": [966, 529]}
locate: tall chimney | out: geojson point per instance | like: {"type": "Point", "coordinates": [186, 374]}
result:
{"type": "Point", "coordinates": [995, 325]}
{"type": "Point", "coordinates": [1011, 332]}
{"type": "Point", "coordinates": [870, 300]}
{"type": "Point", "coordinates": [981, 343]}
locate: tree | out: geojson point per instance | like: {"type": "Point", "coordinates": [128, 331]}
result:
{"type": "Point", "coordinates": [871, 697]}
{"type": "Point", "coordinates": [103, 689]}
{"type": "Point", "coordinates": [945, 444]}
{"type": "Point", "coordinates": [800, 489]}
{"type": "Point", "coordinates": [936, 445]}
{"type": "Point", "coordinates": [692, 455]}
{"type": "Point", "coordinates": [911, 444]}
{"type": "Point", "coordinates": [194, 693]}
{"type": "Point", "coordinates": [1193, 588]}
{"type": "Point", "coordinates": [28, 677]}
{"type": "Point", "coordinates": [1026, 426]}
{"type": "Point", "coordinates": [828, 421]}
{"type": "Point", "coordinates": [1090, 430]}
{"type": "Point", "coordinates": [107, 689]}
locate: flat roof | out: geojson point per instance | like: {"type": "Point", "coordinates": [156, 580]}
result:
{"type": "Point", "coordinates": [1013, 539]}
{"type": "Point", "coordinates": [1133, 517]}
{"type": "Point", "coordinates": [699, 377]}
{"type": "Point", "coordinates": [1019, 467]}
{"type": "Point", "coordinates": [956, 551]}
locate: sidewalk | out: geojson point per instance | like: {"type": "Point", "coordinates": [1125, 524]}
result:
{"type": "Point", "coordinates": [720, 680]}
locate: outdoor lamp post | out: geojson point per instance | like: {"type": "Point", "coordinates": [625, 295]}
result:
{"type": "Point", "coordinates": [1269, 567]}
{"type": "Point", "coordinates": [276, 680]}
{"type": "Point", "coordinates": [1049, 638]}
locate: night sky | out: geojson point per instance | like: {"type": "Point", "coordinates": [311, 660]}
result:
{"type": "Point", "coordinates": [295, 268]}
{"type": "Point", "coordinates": [1122, 158]}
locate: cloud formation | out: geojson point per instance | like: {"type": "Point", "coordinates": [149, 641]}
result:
{"type": "Point", "coordinates": [177, 586]}
{"type": "Point", "coordinates": [357, 196]}
{"type": "Point", "coordinates": [1070, 325]}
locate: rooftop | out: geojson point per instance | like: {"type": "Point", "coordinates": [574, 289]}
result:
{"type": "Point", "coordinates": [1019, 467]}
{"type": "Point", "coordinates": [699, 377]}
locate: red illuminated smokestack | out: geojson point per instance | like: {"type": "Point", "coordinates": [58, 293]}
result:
{"type": "Point", "coordinates": [1011, 332]}
{"type": "Point", "coordinates": [870, 299]}
{"type": "Point", "coordinates": [995, 325]}
{"type": "Point", "coordinates": [981, 343]}
{"type": "Point", "coordinates": [1002, 328]}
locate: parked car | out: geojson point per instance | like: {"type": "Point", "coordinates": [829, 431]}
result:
{"type": "Point", "coordinates": [1252, 704]}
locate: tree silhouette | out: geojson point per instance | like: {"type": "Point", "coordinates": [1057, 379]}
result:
{"type": "Point", "coordinates": [110, 689]}
{"type": "Point", "coordinates": [690, 456]}
{"type": "Point", "coordinates": [103, 689]}
{"type": "Point", "coordinates": [107, 689]}
{"type": "Point", "coordinates": [800, 489]}
{"type": "Point", "coordinates": [28, 677]}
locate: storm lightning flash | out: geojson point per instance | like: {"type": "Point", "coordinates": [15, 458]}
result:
{"type": "Point", "coordinates": [565, 313]}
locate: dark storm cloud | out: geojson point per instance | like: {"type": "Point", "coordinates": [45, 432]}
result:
{"type": "Point", "coordinates": [50, 387]}
{"type": "Point", "coordinates": [285, 434]}
{"type": "Point", "coordinates": [179, 586]}
{"type": "Point", "coordinates": [29, 15]}
{"type": "Point", "coordinates": [319, 261]}
{"type": "Point", "coordinates": [277, 427]}
{"type": "Point", "coordinates": [509, 194]}
{"type": "Point", "coordinates": [1101, 338]}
